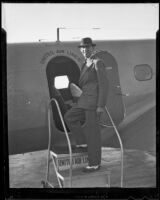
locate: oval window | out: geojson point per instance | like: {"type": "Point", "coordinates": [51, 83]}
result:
{"type": "Point", "coordinates": [61, 82]}
{"type": "Point", "coordinates": [143, 72]}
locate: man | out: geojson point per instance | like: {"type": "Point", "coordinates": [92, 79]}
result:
{"type": "Point", "coordinates": [90, 104]}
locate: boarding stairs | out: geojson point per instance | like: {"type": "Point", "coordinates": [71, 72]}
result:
{"type": "Point", "coordinates": [68, 165]}
{"type": "Point", "coordinates": [77, 178]}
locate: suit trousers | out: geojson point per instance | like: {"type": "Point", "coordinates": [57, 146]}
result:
{"type": "Point", "coordinates": [74, 118]}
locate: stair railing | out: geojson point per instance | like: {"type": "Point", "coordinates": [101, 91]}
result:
{"type": "Point", "coordinates": [49, 147]}
{"type": "Point", "coordinates": [68, 142]}
{"type": "Point", "coordinates": [121, 145]}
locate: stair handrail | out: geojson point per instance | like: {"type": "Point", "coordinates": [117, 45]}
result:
{"type": "Point", "coordinates": [121, 145]}
{"type": "Point", "coordinates": [49, 147]}
{"type": "Point", "coordinates": [67, 137]}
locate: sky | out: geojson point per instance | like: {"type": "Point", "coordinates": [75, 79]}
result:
{"type": "Point", "coordinates": [31, 22]}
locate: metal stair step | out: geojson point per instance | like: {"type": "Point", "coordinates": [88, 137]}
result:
{"type": "Point", "coordinates": [65, 150]}
{"type": "Point", "coordinates": [61, 156]}
{"type": "Point", "coordinates": [62, 161]}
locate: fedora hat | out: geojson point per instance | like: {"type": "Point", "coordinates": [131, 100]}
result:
{"type": "Point", "coordinates": [85, 42]}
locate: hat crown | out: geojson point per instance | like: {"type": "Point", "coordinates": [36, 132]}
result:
{"type": "Point", "coordinates": [86, 42]}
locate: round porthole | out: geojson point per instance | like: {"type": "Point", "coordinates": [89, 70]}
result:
{"type": "Point", "coordinates": [143, 72]}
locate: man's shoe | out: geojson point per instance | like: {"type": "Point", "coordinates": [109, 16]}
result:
{"type": "Point", "coordinates": [89, 169]}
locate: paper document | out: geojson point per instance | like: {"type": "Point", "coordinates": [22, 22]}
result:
{"type": "Point", "coordinates": [75, 90]}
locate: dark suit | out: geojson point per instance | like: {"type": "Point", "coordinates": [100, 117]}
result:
{"type": "Point", "coordinates": [94, 84]}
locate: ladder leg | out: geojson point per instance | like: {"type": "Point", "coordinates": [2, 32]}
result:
{"type": "Point", "coordinates": [121, 145]}
{"type": "Point", "coordinates": [48, 162]}
{"type": "Point", "coordinates": [55, 168]}
{"type": "Point", "coordinates": [109, 180]}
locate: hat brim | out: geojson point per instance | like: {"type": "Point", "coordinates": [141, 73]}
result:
{"type": "Point", "coordinates": [93, 45]}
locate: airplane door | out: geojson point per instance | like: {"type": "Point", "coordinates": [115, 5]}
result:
{"type": "Point", "coordinates": [114, 103]}
{"type": "Point", "coordinates": [62, 66]}
{"type": "Point", "coordinates": [65, 68]}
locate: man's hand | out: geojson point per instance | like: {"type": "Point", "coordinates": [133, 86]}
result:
{"type": "Point", "coordinates": [99, 112]}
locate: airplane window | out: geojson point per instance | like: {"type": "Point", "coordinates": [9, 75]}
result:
{"type": "Point", "coordinates": [143, 72]}
{"type": "Point", "coordinates": [61, 82]}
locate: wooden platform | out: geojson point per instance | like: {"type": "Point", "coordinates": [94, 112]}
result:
{"type": "Point", "coordinates": [28, 170]}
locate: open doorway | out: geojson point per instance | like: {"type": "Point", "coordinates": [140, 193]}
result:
{"type": "Point", "coordinates": [59, 67]}
{"type": "Point", "coordinates": [61, 71]}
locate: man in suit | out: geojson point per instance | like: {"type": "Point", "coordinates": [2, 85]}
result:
{"type": "Point", "coordinates": [90, 104]}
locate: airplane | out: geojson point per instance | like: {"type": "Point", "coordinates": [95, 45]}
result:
{"type": "Point", "coordinates": [34, 68]}
{"type": "Point", "coordinates": [37, 72]}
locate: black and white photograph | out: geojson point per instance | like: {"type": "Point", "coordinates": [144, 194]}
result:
{"type": "Point", "coordinates": [81, 94]}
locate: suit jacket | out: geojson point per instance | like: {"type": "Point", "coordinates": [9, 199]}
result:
{"type": "Point", "coordinates": [94, 84]}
